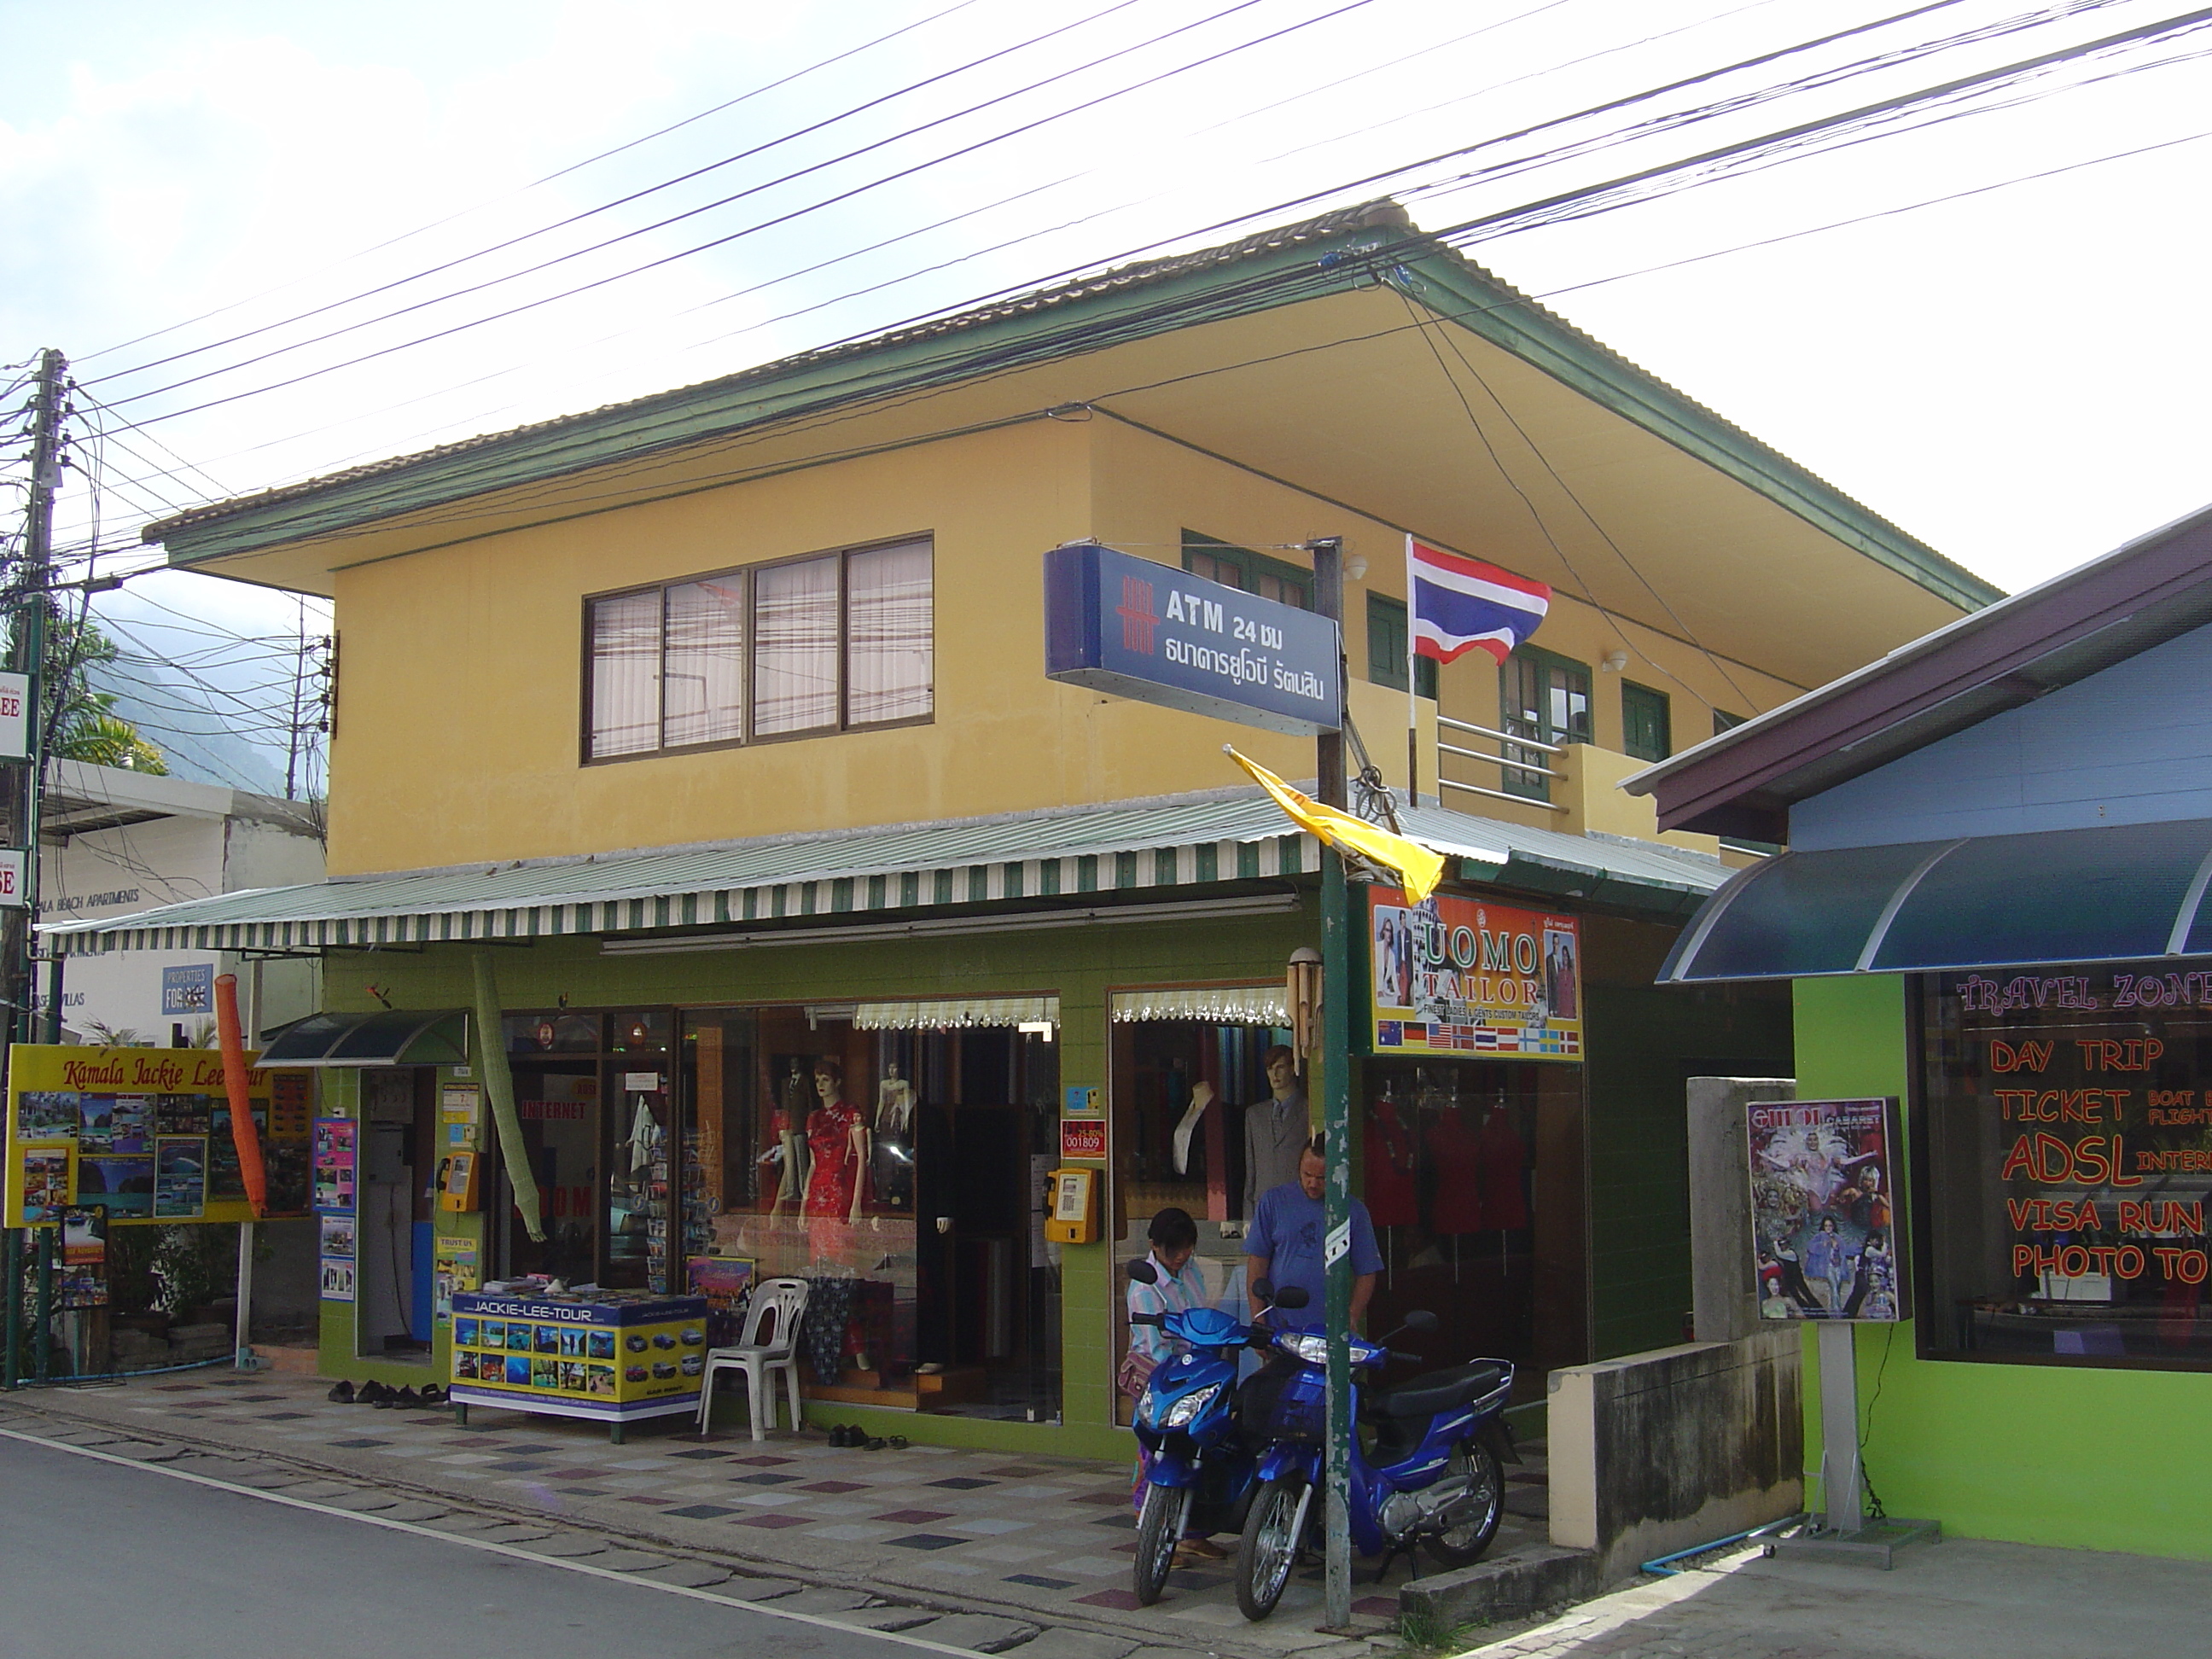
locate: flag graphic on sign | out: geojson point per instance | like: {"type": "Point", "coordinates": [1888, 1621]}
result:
{"type": "Point", "coordinates": [1457, 605]}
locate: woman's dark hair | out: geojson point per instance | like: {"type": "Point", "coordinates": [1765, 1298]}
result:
{"type": "Point", "coordinates": [829, 1066]}
{"type": "Point", "coordinates": [1173, 1229]}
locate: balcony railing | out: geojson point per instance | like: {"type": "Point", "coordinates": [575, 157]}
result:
{"type": "Point", "coordinates": [1508, 762]}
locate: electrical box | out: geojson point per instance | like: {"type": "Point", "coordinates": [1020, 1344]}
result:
{"type": "Point", "coordinates": [1073, 1219]}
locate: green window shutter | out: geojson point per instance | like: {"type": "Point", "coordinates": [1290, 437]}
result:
{"type": "Point", "coordinates": [1386, 648]}
{"type": "Point", "coordinates": [1645, 723]}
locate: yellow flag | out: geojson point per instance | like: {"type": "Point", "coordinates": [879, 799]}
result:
{"type": "Point", "coordinates": [1418, 869]}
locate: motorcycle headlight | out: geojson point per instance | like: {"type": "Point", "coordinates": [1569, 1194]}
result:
{"type": "Point", "coordinates": [1309, 1345]}
{"type": "Point", "coordinates": [1179, 1414]}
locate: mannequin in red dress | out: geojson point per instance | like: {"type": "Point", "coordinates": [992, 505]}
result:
{"type": "Point", "coordinates": [837, 1145]}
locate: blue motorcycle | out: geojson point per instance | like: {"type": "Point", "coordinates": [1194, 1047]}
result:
{"type": "Point", "coordinates": [1432, 1478]}
{"type": "Point", "coordinates": [1199, 1467]}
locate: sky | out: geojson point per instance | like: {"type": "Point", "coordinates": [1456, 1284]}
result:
{"type": "Point", "coordinates": [214, 207]}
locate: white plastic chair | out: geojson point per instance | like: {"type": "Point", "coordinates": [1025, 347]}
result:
{"type": "Point", "coordinates": [780, 1304]}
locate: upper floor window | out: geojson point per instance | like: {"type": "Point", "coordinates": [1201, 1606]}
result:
{"type": "Point", "coordinates": [1253, 573]}
{"type": "Point", "coordinates": [1646, 725]}
{"type": "Point", "coordinates": [1387, 648]}
{"type": "Point", "coordinates": [1547, 698]}
{"type": "Point", "coordinates": [828, 643]}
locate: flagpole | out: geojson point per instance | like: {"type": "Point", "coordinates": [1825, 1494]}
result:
{"type": "Point", "coordinates": [1413, 704]}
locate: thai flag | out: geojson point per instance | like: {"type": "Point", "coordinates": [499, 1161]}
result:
{"type": "Point", "coordinates": [1459, 605]}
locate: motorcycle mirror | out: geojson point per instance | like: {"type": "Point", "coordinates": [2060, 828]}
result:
{"type": "Point", "coordinates": [1263, 1290]}
{"type": "Point", "coordinates": [1143, 1272]}
{"type": "Point", "coordinates": [1292, 1295]}
{"type": "Point", "coordinates": [1421, 1319]}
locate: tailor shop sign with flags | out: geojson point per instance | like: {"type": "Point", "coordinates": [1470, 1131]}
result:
{"type": "Point", "coordinates": [1459, 976]}
{"type": "Point", "coordinates": [1157, 634]}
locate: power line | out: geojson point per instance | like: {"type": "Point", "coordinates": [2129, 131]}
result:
{"type": "Point", "coordinates": [559, 172]}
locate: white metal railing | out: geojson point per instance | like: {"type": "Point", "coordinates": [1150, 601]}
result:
{"type": "Point", "coordinates": [1502, 762]}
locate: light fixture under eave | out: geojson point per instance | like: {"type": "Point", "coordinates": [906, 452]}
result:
{"type": "Point", "coordinates": [1039, 1028]}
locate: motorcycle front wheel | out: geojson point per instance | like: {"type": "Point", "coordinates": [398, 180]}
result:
{"type": "Point", "coordinates": [1462, 1546]}
{"type": "Point", "coordinates": [1159, 1529]}
{"type": "Point", "coordinates": [1269, 1548]}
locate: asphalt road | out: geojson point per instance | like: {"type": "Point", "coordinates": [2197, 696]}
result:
{"type": "Point", "coordinates": [97, 1560]}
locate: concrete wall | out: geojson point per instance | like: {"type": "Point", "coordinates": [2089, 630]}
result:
{"type": "Point", "coordinates": [1724, 1276]}
{"type": "Point", "coordinates": [1663, 1451]}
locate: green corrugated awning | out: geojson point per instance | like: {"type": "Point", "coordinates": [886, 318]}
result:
{"type": "Point", "coordinates": [1041, 859]}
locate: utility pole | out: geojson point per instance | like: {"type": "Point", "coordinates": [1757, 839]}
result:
{"type": "Point", "coordinates": [32, 580]}
{"type": "Point", "coordinates": [1336, 1122]}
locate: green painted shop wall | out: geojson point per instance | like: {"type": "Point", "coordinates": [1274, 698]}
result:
{"type": "Point", "coordinates": [2066, 1455]}
{"type": "Point", "coordinates": [1643, 1042]}
{"type": "Point", "coordinates": [1082, 965]}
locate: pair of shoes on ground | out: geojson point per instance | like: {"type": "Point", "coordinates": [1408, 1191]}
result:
{"type": "Point", "coordinates": [852, 1436]}
{"type": "Point", "coordinates": [384, 1398]}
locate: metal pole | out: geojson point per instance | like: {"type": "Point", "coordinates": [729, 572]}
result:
{"type": "Point", "coordinates": [42, 1361]}
{"type": "Point", "coordinates": [31, 660]}
{"type": "Point", "coordinates": [53, 1010]}
{"type": "Point", "coordinates": [11, 1368]}
{"type": "Point", "coordinates": [243, 1359]}
{"type": "Point", "coordinates": [1336, 1125]}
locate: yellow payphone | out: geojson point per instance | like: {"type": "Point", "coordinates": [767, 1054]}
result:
{"type": "Point", "coordinates": [1073, 1219]}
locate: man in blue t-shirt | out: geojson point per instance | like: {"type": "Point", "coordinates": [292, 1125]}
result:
{"type": "Point", "coordinates": [1283, 1242]}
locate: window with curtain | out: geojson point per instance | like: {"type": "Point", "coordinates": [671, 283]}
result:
{"type": "Point", "coordinates": [834, 642]}
{"type": "Point", "coordinates": [1547, 698]}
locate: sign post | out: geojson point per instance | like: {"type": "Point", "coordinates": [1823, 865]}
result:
{"type": "Point", "coordinates": [1336, 1119]}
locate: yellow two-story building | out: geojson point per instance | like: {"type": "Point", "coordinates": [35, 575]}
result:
{"type": "Point", "coordinates": [709, 735]}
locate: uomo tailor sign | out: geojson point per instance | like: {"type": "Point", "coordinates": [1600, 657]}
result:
{"type": "Point", "coordinates": [1157, 634]}
{"type": "Point", "coordinates": [1457, 975]}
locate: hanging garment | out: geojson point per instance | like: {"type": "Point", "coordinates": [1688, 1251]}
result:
{"type": "Point", "coordinates": [1455, 1152]}
{"type": "Point", "coordinates": [1393, 1200]}
{"type": "Point", "coordinates": [891, 1152]}
{"type": "Point", "coordinates": [644, 1136]}
{"type": "Point", "coordinates": [829, 1311]}
{"type": "Point", "coordinates": [1503, 1152]}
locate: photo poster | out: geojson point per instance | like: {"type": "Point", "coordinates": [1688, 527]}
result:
{"type": "Point", "coordinates": [337, 1279]}
{"type": "Point", "coordinates": [1823, 1215]}
{"type": "Point", "coordinates": [335, 1142]}
{"type": "Point", "coordinates": [454, 1268]}
{"type": "Point", "coordinates": [337, 1236]}
{"type": "Point", "coordinates": [86, 1129]}
{"type": "Point", "coordinates": [1462, 977]}
{"type": "Point", "coordinates": [180, 1171]}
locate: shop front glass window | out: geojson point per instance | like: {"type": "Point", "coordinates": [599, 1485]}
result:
{"type": "Point", "coordinates": [900, 1170]}
{"type": "Point", "coordinates": [2066, 1118]}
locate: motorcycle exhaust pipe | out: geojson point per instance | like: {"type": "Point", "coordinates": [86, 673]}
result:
{"type": "Point", "coordinates": [1298, 1522]}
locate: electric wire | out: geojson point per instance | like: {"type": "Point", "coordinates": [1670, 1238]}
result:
{"type": "Point", "coordinates": [559, 172]}
{"type": "Point", "coordinates": [874, 184]}
{"type": "Point", "coordinates": [1759, 60]}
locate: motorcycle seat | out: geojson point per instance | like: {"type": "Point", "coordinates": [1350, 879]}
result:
{"type": "Point", "coordinates": [1437, 1391]}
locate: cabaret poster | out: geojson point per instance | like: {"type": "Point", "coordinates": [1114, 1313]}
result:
{"type": "Point", "coordinates": [1823, 1211]}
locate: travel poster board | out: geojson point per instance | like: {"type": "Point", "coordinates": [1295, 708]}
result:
{"type": "Point", "coordinates": [1823, 1214]}
{"type": "Point", "coordinates": [611, 1359]}
{"type": "Point", "coordinates": [141, 1135]}
{"type": "Point", "coordinates": [1462, 977]}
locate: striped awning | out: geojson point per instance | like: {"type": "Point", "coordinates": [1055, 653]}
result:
{"type": "Point", "coordinates": [1040, 858]}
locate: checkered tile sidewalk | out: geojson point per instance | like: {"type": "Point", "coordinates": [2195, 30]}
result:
{"type": "Point", "coordinates": [1044, 1534]}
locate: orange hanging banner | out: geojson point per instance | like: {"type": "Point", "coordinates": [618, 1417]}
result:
{"type": "Point", "coordinates": [242, 1133]}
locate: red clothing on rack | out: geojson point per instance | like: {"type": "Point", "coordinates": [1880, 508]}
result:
{"type": "Point", "coordinates": [1457, 1151]}
{"type": "Point", "coordinates": [1393, 1199]}
{"type": "Point", "coordinates": [1503, 1152]}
